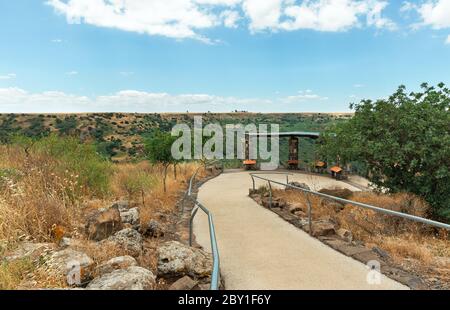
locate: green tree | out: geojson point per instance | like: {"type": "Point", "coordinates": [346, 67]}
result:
{"type": "Point", "coordinates": [404, 142]}
{"type": "Point", "coordinates": [158, 151]}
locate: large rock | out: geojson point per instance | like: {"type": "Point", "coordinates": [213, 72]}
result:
{"type": "Point", "coordinates": [183, 284]}
{"type": "Point", "coordinates": [30, 250]}
{"type": "Point", "coordinates": [154, 229]}
{"type": "Point", "coordinates": [129, 239]}
{"type": "Point", "coordinates": [323, 228]}
{"type": "Point", "coordinates": [116, 263]}
{"type": "Point", "coordinates": [295, 207]}
{"type": "Point", "coordinates": [131, 278]}
{"type": "Point", "coordinates": [345, 234]}
{"type": "Point", "coordinates": [103, 224]}
{"type": "Point", "coordinates": [121, 205]}
{"type": "Point", "coordinates": [176, 259]}
{"type": "Point", "coordinates": [130, 216]}
{"type": "Point", "coordinates": [76, 266]}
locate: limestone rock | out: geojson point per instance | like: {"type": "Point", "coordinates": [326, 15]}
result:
{"type": "Point", "coordinates": [154, 229]}
{"type": "Point", "coordinates": [116, 263]}
{"type": "Point", "coordinates": [129, 239]}
{"type": "Point", "coordinates": [74, 265]}
{"type": "Point", "coordinates": [30, 250]}
{"type": "Point", "coordinates": [183, 284]}
{"type": "Point", "coordinates": [130, 216]}
{"type": "Point", "coordinates": [345, 234]}
{"type": "Point", "coordinates": [322, 228]}
{"type": "Point", "coordinates": [176, 259]}
{"type": "Point", "coordinates": [103, 224]}
{"type": "Point", "coordinates": [295, 207]}
{"type": "Point", "coordinates": [131, 278]}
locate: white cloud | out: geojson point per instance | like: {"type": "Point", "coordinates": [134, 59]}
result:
{"type": "Point", "coordinates": [57, 41]}
{"type": "Point", "coordinates": [447, 41]}
{"type": "Point", "coordinates": [72, 73]}
{"type": "Point", "coordinates": [8, 76]}
{"type": "Point", "coordinates": [432, 13]}
{"type": "Point", "coordinates": [126, 73]}
{"type": "Point", "coordinates": [17, 100]}
{"type": "Point", "coordinates": [181, 19]}
{"type": "Point", "coordinates": [435, 13]}
{"type": "Point", "coordinates": [230, 18]}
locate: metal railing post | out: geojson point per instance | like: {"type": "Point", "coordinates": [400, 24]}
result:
{"type": "Point", "coordinates": [191, 224]}
{"type": "Point", "coordinates": [270, 195]}
{"type": "Point", "coordinates": [253, 181]}
{"type": "Point", "coordinates": [309, 214]}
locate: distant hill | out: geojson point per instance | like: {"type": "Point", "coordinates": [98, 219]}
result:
{"type": "Point", "coordinates": [120, 135]}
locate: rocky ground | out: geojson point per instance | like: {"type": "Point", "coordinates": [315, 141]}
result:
{"type": "Point", "coordinates": [327, 230]}
{"type": "Point", "coordinates": [116, 251]}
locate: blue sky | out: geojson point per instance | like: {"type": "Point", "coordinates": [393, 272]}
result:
{"type": "Point", "coordinates": [217, 55]}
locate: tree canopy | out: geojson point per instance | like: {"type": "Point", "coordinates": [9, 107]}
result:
{"type": "Point", "coordinates": [403, 140]}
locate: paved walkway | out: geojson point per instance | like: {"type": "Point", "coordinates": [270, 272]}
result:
{"type": "Point", "coordinates": [259, 250]}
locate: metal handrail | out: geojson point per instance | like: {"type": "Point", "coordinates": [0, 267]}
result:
{"type": "Point", "coordinates": [215, 274]}
{"type": "Point", "coordinates": [355, 203]}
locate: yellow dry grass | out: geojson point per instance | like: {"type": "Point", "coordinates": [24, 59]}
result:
{"type": "Point", "coordinates": [414, 246]}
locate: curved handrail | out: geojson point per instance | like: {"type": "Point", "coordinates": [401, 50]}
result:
{"type": "Point", "coordinates": [215, 274]}
{"type": "Point", "coordinates": [358, 204]}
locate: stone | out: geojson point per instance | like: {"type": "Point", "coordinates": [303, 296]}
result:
{"type": "Point", "coordinates": [103, 224]}
{"type": "Point", "coordinates": [183, 284]}
{"type": "Point", "coordinates": [130, 216]}
{"type": "Point", "coordinates": [345, 234]}
{"type": "Point", "coordinates": [295, 207]}
{"type": "Point", "coordinates": [70, 242]}
{"type": "Point", "coordinates": [76, 266]}
{"type": "Point", "coordinates": [129, 239]}
{"type": "Point", "coordinates": [122, 205]}
{"type": "Point", "coordinates": [322, 228]}
{"type": "Point", "coordinates": [176, 260]}
{"type": "Point", "coordinates": [154, 229]}
{"type": "Point", "coordinates": [30, 250]}
{"type": "Point", "coordinates": [131, 278]}
{"type": "Point", "coordinates": [297, 184]}
{"type": "Point", "coordinates": [382, 253]}
{"type": "Point", "coordinates": [115, 263]}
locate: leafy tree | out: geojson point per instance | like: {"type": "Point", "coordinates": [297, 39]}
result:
{"type": "Point", "coordinates": [404, 142]}
{"type": "Point", "coordinates": [158, 150]}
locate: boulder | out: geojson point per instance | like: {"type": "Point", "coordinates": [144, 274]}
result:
{"type": "Point", "coordinates": [30, 250]}
{"type": "Point", "coordinates": [154, 229]}
{"type": "Point", "coordinates": [323, 228]}
{"type": "Point", "coordinates": [183, 284]}
{"type": "Point", "coordinates": [76, 266]}
{"type": "Point", "coordinates": [130, 216]}
{"type": "Point", "coordinates": [382, 253]}
{"type": "Point", "coordinates": [103, 224]}
{"type": "Point", "coordinates": [121, 205]}
{"type": "Point", "coordinates": [176, 260]}
{"type": "Point", "coordinates": [345, 234]}
{"type": "Point", "coordinates": [131, 278]}
{"type": "Point", "coordinates": [128, 239]}
{"type": "Point", "coordinates": [295, 207]}
{"type": "Point", "coordinates": [116, 263]}
{"type": "Point", "coordinates": [297, 184]}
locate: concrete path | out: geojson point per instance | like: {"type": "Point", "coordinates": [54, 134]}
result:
{"type": "Point", "coordinates": [259, 250]}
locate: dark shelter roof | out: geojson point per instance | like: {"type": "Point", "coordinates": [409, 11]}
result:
{"type": "Point", "coordinates": [305, 134]}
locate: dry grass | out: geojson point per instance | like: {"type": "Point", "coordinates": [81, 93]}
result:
{"type": "Point", "coordinates": [40, 201]}
{"type": "Point", "coordinates": [414, 246]}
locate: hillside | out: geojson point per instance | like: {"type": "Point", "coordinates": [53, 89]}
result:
{"type": "Point", "coordinates": [119, 135]}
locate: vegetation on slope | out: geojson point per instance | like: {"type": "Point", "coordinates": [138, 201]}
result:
{"type": "Point", "coordinates": [404, 142]}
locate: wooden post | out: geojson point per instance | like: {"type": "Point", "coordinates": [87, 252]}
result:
{"type": "Point", "coordinates": [293, 152]}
